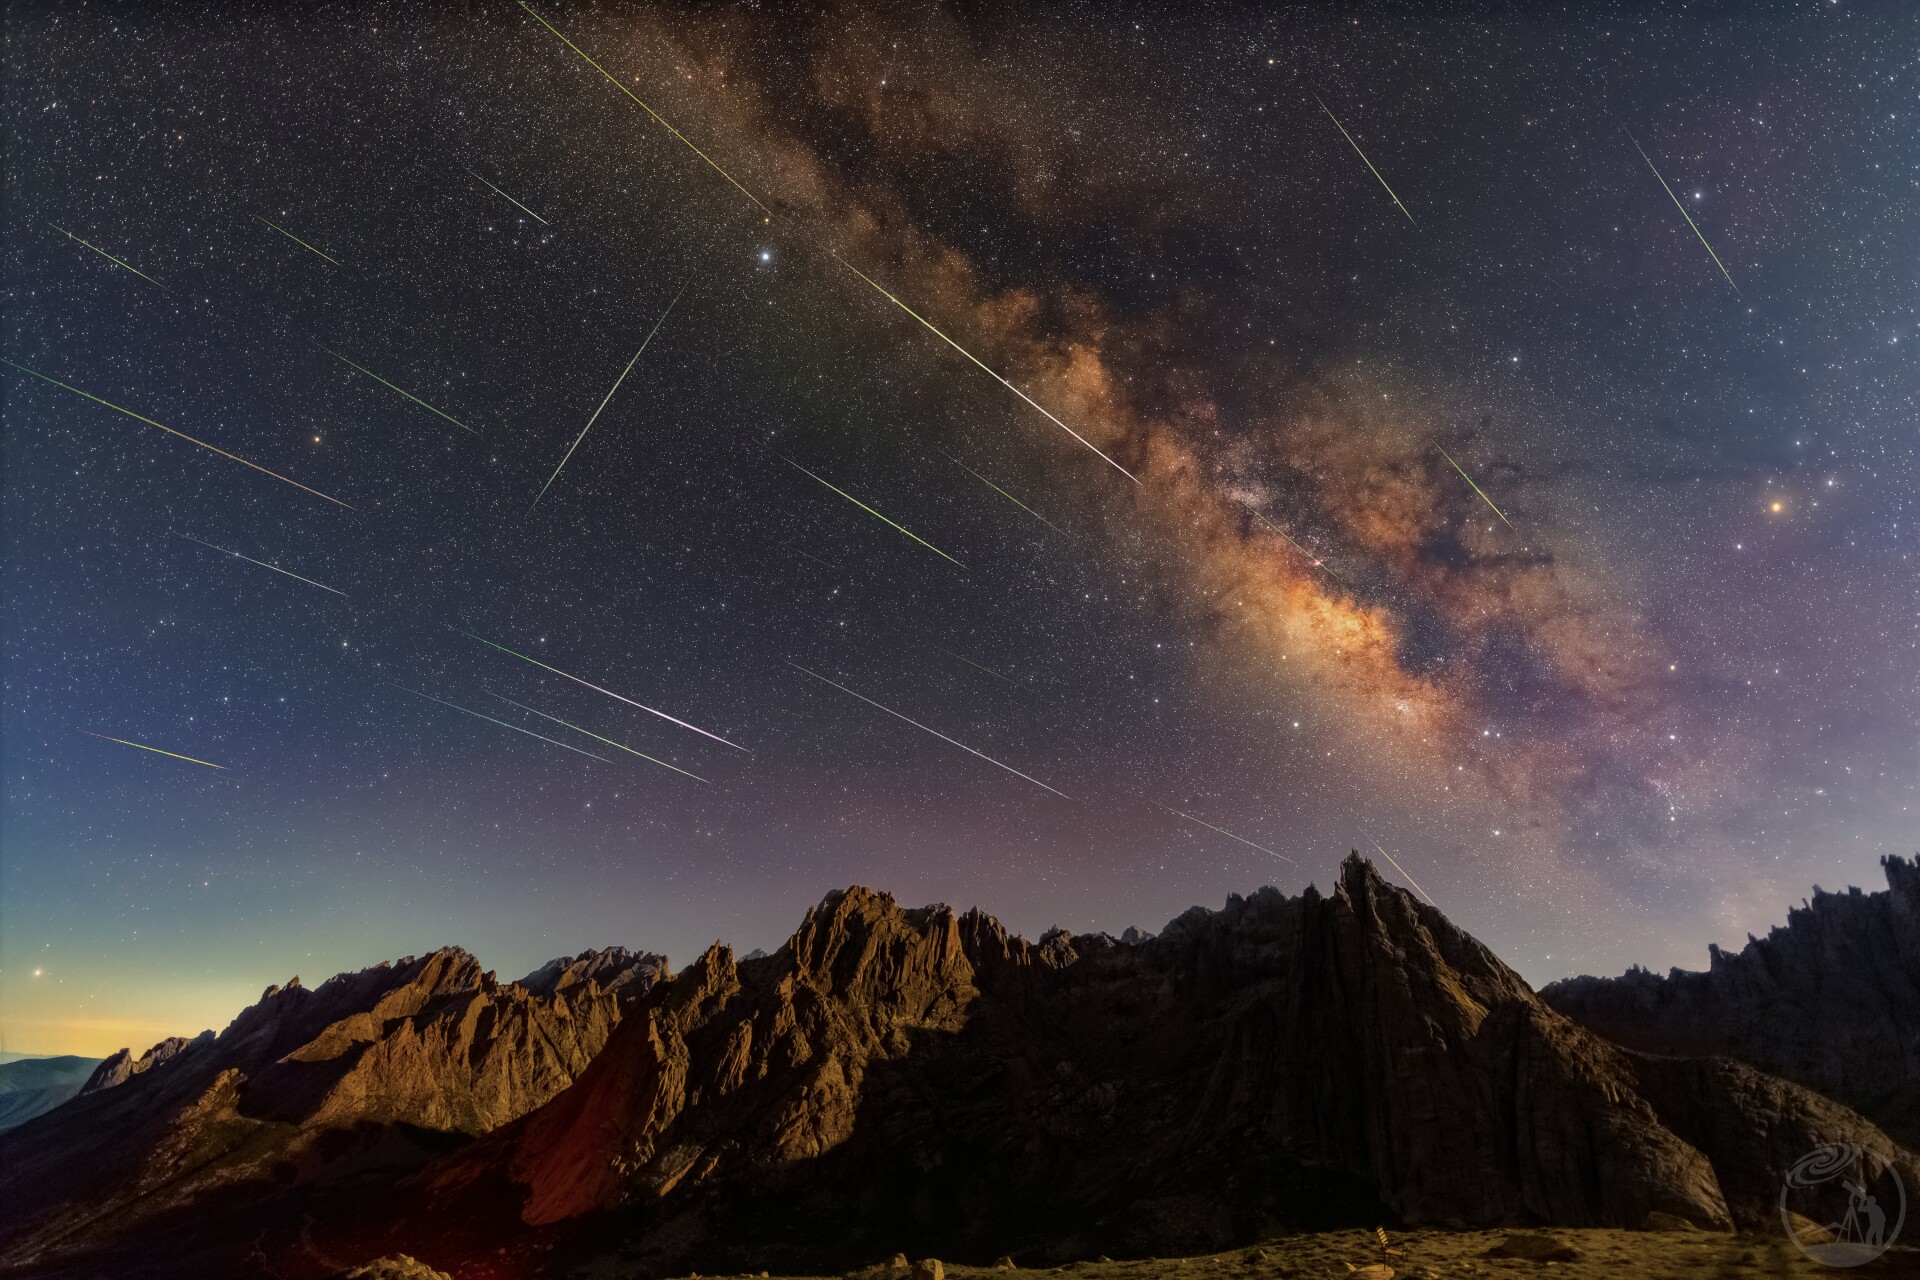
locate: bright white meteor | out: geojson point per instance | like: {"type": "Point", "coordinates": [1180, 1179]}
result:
{"type": "Point", "coordinates": [509, 199]}
{"type": "Point", "coordinates": [503, 724]}
{"type": "Point", "coordinates": [262, 563]}
{"type": "Point", "coordinates": [935, 732]}
{"type": "Point", "coordinates": [603, 403]}
{"type": "Point", "coordinates": [1223, 831]}
{"type": "Point", "coordinates": [1403, 871]}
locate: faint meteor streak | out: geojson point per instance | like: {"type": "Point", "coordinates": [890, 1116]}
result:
{"type": "Point", "coordinates": [1403, 871]}
{"type": "Point", "coordinates": [1683, 213]}
{"type": "Point", "coordinates": [870, 511]}
{"type": "Point", "coordinates": [157, 751]}
{"type": "Point", "coordinates": [976, 360]}
{"type": "Point", "coordinates": [503, 724]}
{"type": "Point", "coordinates": [170, 431]}
{"type": "Point", "coordinates": [509, 199]}
{"type": "Point", "coordinates": [596, 737]}
{"type": "Point", "coordinates": [1318, 563]}
{"type": "Point", "coordinates": [408, 394]}
{"type": "Point", "coordinates": [1002, 492]}
{"type": "Point", "coordinates": [1476, 488]}
{"type": "Point", "coordinates": [976, 666]}
{"type": "Point", "coordinates": [597, 689]}
{"type": "Point", "coordinates": [1228, 834]}
{"type": "Point", "coordinates": [109, 257]}
{"type": "Point", "coordinates": [297, 240]}
{"type": "Point", "coordinates": [262, 563]}
{"type": "Point", "coordinates": [644, 107]}
{"type": "Point", "coordinates": [603, 403]}
{"type": "Point", "coordinates": [935, 732]}
{"type": "Point", "coordinates": [1363, 155]}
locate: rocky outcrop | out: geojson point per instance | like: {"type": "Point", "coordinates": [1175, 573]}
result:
{"type": "Point", "coordinates": [1832, 1001]}
{"type": "Point", "coordinates": [123, 1066]}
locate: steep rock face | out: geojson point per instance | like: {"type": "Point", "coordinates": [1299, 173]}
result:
{"type": "Point", "coordinates": [925, 1081]}
{"type": "Point", "coordinates": [1832, 1001]}
{"type": "Point", "coordinates": [363, 1071]}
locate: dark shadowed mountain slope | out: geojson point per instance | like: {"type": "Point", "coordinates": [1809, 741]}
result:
{"type": "Point", "coordinates": [1832, 1001]}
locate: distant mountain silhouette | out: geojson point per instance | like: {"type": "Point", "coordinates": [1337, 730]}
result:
{"type": "Point", "coordinates": [31, 1086]}
{"type": "Point", "coordinates": [902, 1079]}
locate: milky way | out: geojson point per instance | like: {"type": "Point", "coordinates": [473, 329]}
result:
{"type": "Point", "coordinates": [1492, 525]}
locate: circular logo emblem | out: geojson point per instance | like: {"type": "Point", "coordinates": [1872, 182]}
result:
{"type": "Point", "coordinates": [1842, 1204]}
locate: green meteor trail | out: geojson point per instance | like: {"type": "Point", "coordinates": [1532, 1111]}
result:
{"type": "Point", "coordinates": [603, 403]}
{"type": "Point", "coordinates": [935, 732]}
{"type": "Point", "coordinates": [644, 107]}
{"type": "Point", "coordinates": [408, 394]}
{"type": "Point", "coordinates": [1002, 492]}
{"type": "Point", "coordinates": [1403, 871]}
{"type": "Point", "coordinates": [1476, 488]}
{"type": "Point", "coordinates": [597, 738]}
{"type": "Point", "coordinates": [870, 511]}
{"type": "Point", "coordinates": [1223, 831]}
{"type": "Point", "coordinates": [976, 666]}
{"type": "Point", "coordinates": [1683, 213]}
{"type": "Point", "coordinates": [262, 563]}
{"type": "Point", "coordinates": [503, 724]}
{"type": "Point", "coordinates": [170, 431]}
{"type": "Point", "coordinates": [109, 257]}
{"type": "Point", "coordinates": [157, 751]}
{"type": "Point", "coordinates": [509, 199]}
{"type": "Point", "coordinates": [297, 240]}
{"type": "Point", "coordinates": [1363, 155]}
{"type": "Point", "coordinates": [1318, 563]}
{"type": "Point", "coordinates": [597, 689]}
{"type": "Point", "coordinates": [978, 363]}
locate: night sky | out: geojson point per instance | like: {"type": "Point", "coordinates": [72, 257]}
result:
{"type": "Point", "coordinates": [1664, 690]}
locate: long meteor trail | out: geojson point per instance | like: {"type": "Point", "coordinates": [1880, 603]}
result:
{"type": "Point", "coordinates": [297, 240]}
{"type": "Point", "coordinates": [1683, 213]}
{"type": "Point", "coordinates": [1002, 492]}
{"type": "Point", "coordinates": [935, 732]}
{"type": "Point", "coordinates": [170, 431]}
{"type": "Point", "coordinates": [603, 403]}
{"type": "Point", "coordinates": [502, 723]}
{"type": "Point", "coordinates": [408, 394]}
{"type": "Point", "coordinates": [157, 751]}
{"type": "Point", "coordinates": [109, 257]}
{"type": "Point", "coordinates": [1476, 488]}
{"type": "Point", "coordinates": [596, 737]}
{"type": "Point", "coordinates": [644, 107]}
{"type": "Point", "coordinates": [1363, 156]}
{"type": "Point", "coordinates": [870, 511]}
{"type": "Point", "coordinates": [937, 332]}
{"type": "Point", "coordinates": [1403, 871]}
{"type": "Point", "coordinates": [262, 563]}
{"type": "Point", "coordinates": [1318, 563]}
{"type": "Point", "coordinates": [1228, 834]}
{"type": "Point", "coordinates": [509, 199]}
{"type": "Point", "coordinates": [597, 689]}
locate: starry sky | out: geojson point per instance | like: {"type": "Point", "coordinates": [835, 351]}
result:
{"type": "Point", "coordinates": [1084, 461]}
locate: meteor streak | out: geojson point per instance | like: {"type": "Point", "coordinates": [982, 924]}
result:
{"type": "Point", "coordinates": [597, 738]}
{"type": "Point", "coordinates": [296, 239]}
{"type": "Point", "coordinates": [503, 724]}
{"type": "Point", "coordinates": [1002, 492]}
{"type": "Point", "coordinates": [170, 431]}
{"type": "Point", "coordinates": [1683, 213]}
{"type": "Point", "coordinates": [157, 751]}
{"type": "Point", "coordinates": [262, 563]}
{"type": "Point", "coordinates": [935, 732]}
{"type": "Point", "coordinates": [1403, 871]}
{"type": "Point", "coordinates": [1363, 155]}
{"type": "Point", "coordinates": [1476, 488]}
{"type": "Point", "coordinates": [870, 511]}
{"type": "Point", "coordinates": [649, 110]}
{"type": "Point", "coordinates": [1318, 563]}
{"type": "Point", "coordinates": [976, 360]}
{"type": "Point", "coordinates": [408, 394]}
{"type": "Point", "coordinates": [1228, 834]}
{"type": "Point", "coordinates": [509, 199]}
{"type": "Point", "coordinates": [603, 403]}
{"type": "Point", "coordinates": [597, 689]}
{"type": "Point", "coordinates": [976, 666]}
{"type": "Point", "coordinates": [109, 257]}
